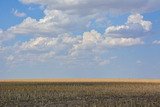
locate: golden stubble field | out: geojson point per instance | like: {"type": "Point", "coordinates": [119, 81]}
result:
{"type": "Point", "coordinates": [80, 93]}
{"type": "Point", "coordinates": [84, 80]}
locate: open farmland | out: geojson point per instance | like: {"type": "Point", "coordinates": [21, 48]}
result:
{"type": "Point", "coordinates": [80, 93]}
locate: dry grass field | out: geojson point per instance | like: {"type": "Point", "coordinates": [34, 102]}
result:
{"type": "Point", "coordinates": [80, 93]}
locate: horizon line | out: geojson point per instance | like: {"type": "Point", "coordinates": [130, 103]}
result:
{"type": "Point", "coordinates": [83, 80]}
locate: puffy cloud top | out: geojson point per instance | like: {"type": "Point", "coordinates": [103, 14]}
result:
{"type": "Point", "coordinates": [135, 27]}
{"type": "Point", "coordinates": [78, 6]}
{"type": "Point", "coordinates": [138, 19]}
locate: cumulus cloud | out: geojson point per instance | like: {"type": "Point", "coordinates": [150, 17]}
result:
{"type": "Point", "coordinates": [138, 19]}
{"type": "Point", "coordinates": [88, 6]}
{"type": "Point", "coordinates": [43, 44]}
{"type": "Point", "coordinates": [95, 42]}
{"type": "Point", "coordinates": [53, 38]}
{"type": "Point", "coordinates": [29, 58]}
{"type": "Point", "coordinates": [123, 41]}
{"type": "Point", "coordinates": [134, 27]}
{"type": "Point", "coordinates": [52, 23]}
{"type": "Point", "coordinates": [69, 16]}
{"type": "Point", "coordinates": [89, 42]}
{"type": "Point", "coordinates": [5, 35]}
{"type": "Point", "coordinates": [41, 49]}
{"type": "Point", "coordinates": [18, 14]}
{"type": "Point", "coordinates": [91, 37]}
{"type": "Point", "coordinates": [56, 23]}
{"type": "Point", "coordinates": [89, 47]}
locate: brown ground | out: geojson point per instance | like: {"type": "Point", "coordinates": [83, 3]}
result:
{"type": "Point", "coordinates": [80, 93]}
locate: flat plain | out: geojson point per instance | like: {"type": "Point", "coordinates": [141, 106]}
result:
{"type": "Point", "coordinates": [80, 93]}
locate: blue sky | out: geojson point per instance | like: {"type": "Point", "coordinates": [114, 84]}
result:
{"type": "Point", "coordinates": [79, 39]}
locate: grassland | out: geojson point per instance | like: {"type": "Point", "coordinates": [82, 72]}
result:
{"type": "Point", "coordinates": [80, 93]}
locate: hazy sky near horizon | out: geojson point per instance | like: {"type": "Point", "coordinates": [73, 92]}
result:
{"type": "Point", "coordinates": [79, 39]}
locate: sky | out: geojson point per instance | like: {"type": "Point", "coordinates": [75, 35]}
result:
{"type": "Point", "coordinates": [79, 39]}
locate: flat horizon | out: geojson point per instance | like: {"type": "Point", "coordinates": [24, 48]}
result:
{"type": "Point", "coordinates": [83, 80]}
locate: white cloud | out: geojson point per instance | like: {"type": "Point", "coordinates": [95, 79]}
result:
{"type": "Point", "coordinates": [5, 35]}
{"type": "Point", "coordinates": [59, 45]}
{"type": "Point", "coordinates": [54, 22]}
{"type": "Point", "coordinates": [67, 16]}
{"type": "Point", "coordinates": [74, 16]}
{"type": "Point", "coordinates": [88, 6]}
{"type": "Point", "coordinates": [29, 58]}
{"type": "Point", "coordinates": [135, 27]}
{"type": "Point", "coordinates": [46, 45]}
{"type": "Point", "coordinates": [156, 42]}
{"type": "Point", "coordinates": [89, 47]}
{"type": "Point", "coordinates": [54, 37]}
{"type": "Point", "coordinates": [40, 42]}
{"type": "Point", "coordinates": [93, 43]}
{"type": "Point", "coordinates": [52, 40]}
{"type": "Point", "coordinates": [18, 14]}
{"type": "Point", "coordinates": [138, 19]}
{"type": "Point", "coordinates": [88, 43]}
{"type": "Point", "coordinates": [122, 41]}
{"type": "Point", "coordinates": [91, 37]}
